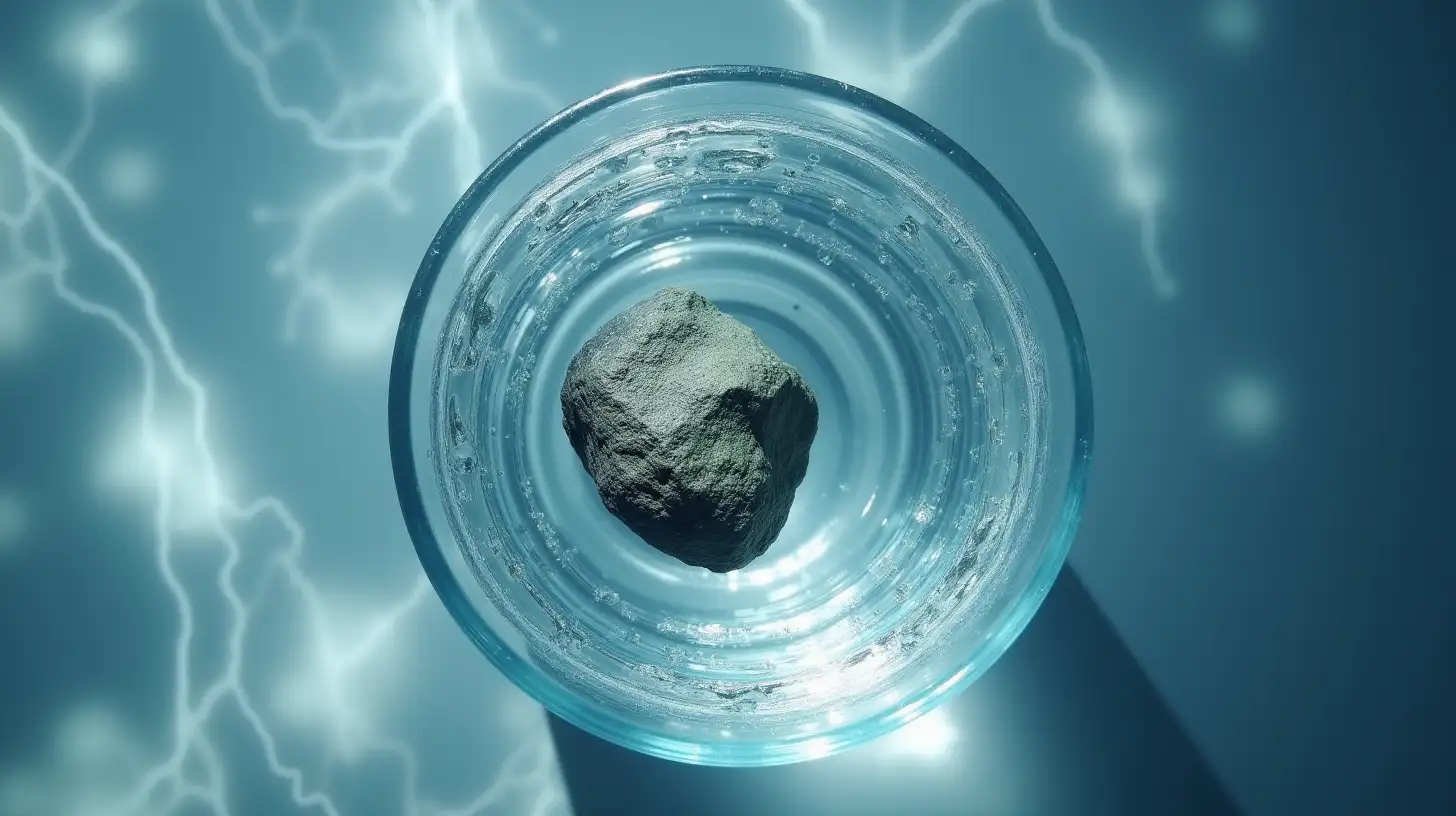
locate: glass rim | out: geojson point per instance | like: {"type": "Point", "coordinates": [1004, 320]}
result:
{"type": "Point", "coordinates": [531, 680]}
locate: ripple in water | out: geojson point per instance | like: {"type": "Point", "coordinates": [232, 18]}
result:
{"type": "Point", "coordinates": [926, 464]}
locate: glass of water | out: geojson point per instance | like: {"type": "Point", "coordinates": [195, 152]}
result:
{"type": "Point", "coordinates": [874, 255]}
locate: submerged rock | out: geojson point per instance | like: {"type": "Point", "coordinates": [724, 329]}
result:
{"type": "Point", "coordinates": [696, 433]}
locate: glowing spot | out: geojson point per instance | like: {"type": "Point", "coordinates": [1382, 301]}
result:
{"type": "Point", "coordinates": [894, 77]}
{"type": "Point", "coordinates": [350, 661]}
{"type": "Point", "coordinates": [98, 49]}
{"type": "Point", "coordinates": [16, 323]}
{"type": "Point", "coordinates": [1235, 23]}
{"type": "Point", "coordinates": [818, 748]}
{"type": "Point", "coordinates": [1121, 126]}
{"type": "Point", "coordinates": [130, 176]}
{"type": "Point", "coordinates": [896, 73]}
{"type": "Point", "coordinates": [1116, 118]}
{"type": "Point", "coordinates": [1249, 408]}
{"type": "Point", "coordinates": [13, 520]}
{"type": "Point", "coordinates": [91, 755]}
{"type": "Point", "coordinates": [134, 461]}
{"type": "Point", "coordinates": [358, 324]}
{"type": "Point", "coordinates": [791, 564]}
{"type": "Point", "coordinates": [91, 736]}
{"type": "Point", "coordinates": [930, 737]}
{"type": "Point", "coordinates": [1141, 189]}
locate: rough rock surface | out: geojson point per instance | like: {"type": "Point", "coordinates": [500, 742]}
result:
{"type": "Point", "coordinates": [696, 433]}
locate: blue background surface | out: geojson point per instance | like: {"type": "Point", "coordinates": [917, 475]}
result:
{"type": "Point", "coordinates": [210, 211]}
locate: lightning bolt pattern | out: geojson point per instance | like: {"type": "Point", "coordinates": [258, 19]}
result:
{"type": "Point", "coordinates": [375, 130]}
{"type": "Point", "coordinates": [1116, 122]}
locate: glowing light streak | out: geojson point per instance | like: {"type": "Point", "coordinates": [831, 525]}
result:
{"type": "Point", "coordinates": [1115, 122]}
{"type": "Point", "coordinates": [176, 461]}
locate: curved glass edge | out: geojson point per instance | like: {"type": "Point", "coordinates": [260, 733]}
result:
{"type": "Point", "coordinates": [446, 584]}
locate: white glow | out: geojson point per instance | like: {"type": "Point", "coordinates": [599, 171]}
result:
{"type": "Point", "coordinates": [1249, 408]}
{"type": "Point", "coordinates": [91, 755]}
{"type": "Point", "coordinates": [351, 655]}
{"type": "Point", "coordinates": [1116, 118]}
{"type": "Point", "coordinates": [863, 68]}
{"type": "Point", "coordinates": [132, 463]}
{"type": "Point", "coordinates": [98, 49]}
{"type": "Point", "coordinates": [1122, 128]}
{"type": "Point", "coordinates": [790, 564]}
{"type": "Point", "coordinates": [893, 72]}
{"type": "Point", "coordinates": [439, 62]}
{"type": "Point", "coordinates": [665, 256]}
{"type": "Point", "coordinates": [1141, 189]}
{"type": "Point", "coordinates": [783, 593]}
{"type": "Point", "coordinates": [363, 323]}
{"type": "Point", "coordinates": [91, 736]}
{"type": "Point", "coordinates": [951, 682]}
{"type": "Point", "coordinates": [930, 737]}
{"type": "Point", "coordinates": [358, 323]}
{"type": "Point", "coordinates": [1235, 23]}
{"type": "Point", "coordinates": [130, 176]}
{"type": "Point", "coordinates": [643, 210]}
{"type": "Point", "coordinates": [16, 322]}
{"type": "Point", "coordinates": [818, 748]}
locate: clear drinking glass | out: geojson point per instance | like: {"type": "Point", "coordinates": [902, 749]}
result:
{"type": "Point", "coordinates": [874, 255]}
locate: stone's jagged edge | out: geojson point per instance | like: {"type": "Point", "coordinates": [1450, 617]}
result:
{"type": "Point", "coordinates": [1138, 183]}
{"type": "Point", "coordinates": [695, 432]}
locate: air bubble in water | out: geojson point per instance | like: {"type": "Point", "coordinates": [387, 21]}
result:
{"type": "Point", "coordinates": [765, 205]}
{"type": "Point", "coordinates": [458, 435]}
{"type": "Point", "coordinates": [735, 160]}
{"type": "Point", "coordinates": [464, 462]}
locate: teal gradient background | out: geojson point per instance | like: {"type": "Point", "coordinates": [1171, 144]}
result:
{"type": "Point", "coordinates": [219, 204]}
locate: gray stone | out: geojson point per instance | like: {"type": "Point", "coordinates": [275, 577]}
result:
{"type": "Point", "coordinates": [696, 433]}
